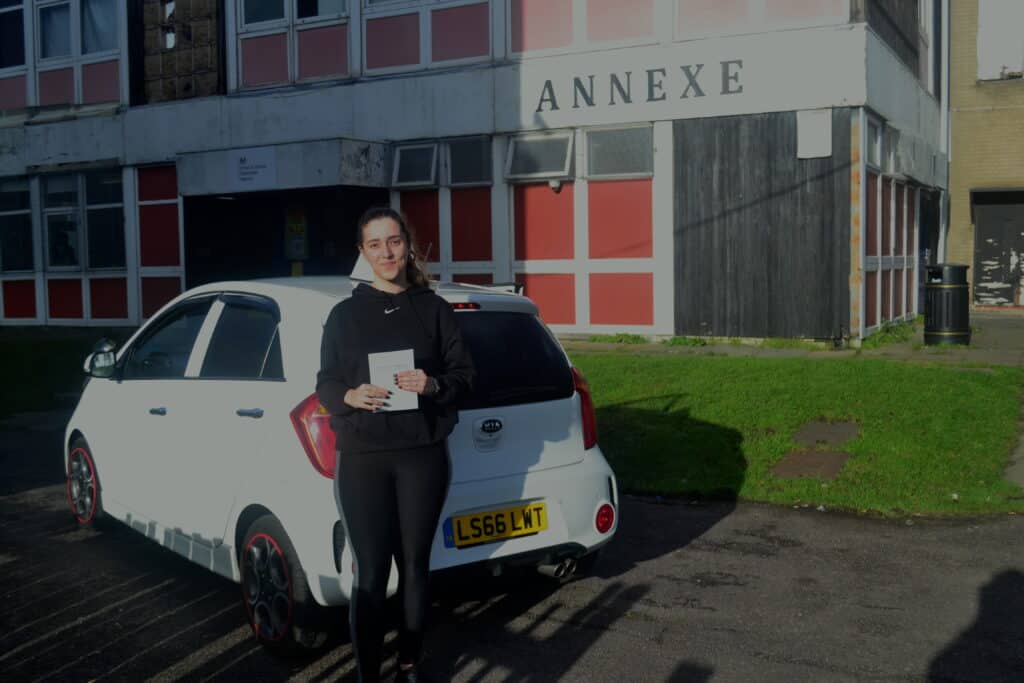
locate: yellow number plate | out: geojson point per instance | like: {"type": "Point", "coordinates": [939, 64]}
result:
{"type": "Point", "coordinates": [462, 531]}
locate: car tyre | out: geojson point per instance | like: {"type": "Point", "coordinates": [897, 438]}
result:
{"type": "Point", "coordinates": [284, 616]}
{"type": "Point", "coordinates": [83, 485]}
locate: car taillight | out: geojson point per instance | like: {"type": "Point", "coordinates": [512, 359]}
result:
{"type": "Point", "coordinates": [312, 423]}
{"type": "Point", "coordinates": [605, 518]}
{"type": "Point", "coordinates": [586, 408]}
{"type": "Point", "coordinates": [465, 306]}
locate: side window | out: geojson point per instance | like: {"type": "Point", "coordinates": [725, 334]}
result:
{"type": "Point", "coordinates": [245, 343]}
{"type": "Point", "coordinates": [163, 353]}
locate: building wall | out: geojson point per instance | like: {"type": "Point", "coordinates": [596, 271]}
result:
{"type": "Point", "coordinates": [987, 139]}
{"type": "Point", "coordinates": [762, 236]}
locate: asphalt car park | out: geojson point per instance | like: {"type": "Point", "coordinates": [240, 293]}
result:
{"type": "Point", "coordinates": [685, 592]}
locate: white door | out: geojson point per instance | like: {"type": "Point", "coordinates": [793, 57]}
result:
{"type": "Point", "coordinates": [231, 403]}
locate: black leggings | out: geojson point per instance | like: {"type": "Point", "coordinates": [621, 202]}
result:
{"type": "Point", "coordinates": [390, 502]}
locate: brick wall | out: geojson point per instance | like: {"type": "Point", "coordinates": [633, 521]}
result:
{"type": "Point", "coordinates": [988, 141]}
{"type": "Point", "coordinates": [191, 67]}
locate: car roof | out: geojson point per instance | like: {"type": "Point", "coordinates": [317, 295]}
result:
{"type": "Point", "coordinates": [337, 288]}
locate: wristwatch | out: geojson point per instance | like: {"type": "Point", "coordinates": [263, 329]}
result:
{"type": "Point", "coordinates": [433, 388]}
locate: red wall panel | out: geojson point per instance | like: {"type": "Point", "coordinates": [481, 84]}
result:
{"type": "Point", "coordinates": [621, 219]}
{"type": "Point", "coordinates": [911, 221]}
{"type": "Point", "coordinates": [803, 9]}
{"type": "Point", "coordinates": [554, 294]}
{"type": "Point", "coordinates": [872, 222]}
{"type": "Point", "coordinates": [393, 41]}
{"type": "Point", "coordinates": [109, 297]}
{"type": "Point", "coordinates": [265, 60]}
{"type": "Point", "coordinates": [900, 197]}
{"type": "Point", "coordinates": [460, 32]}
{"type": "Point", "coordinates": [622, 298]}
{"type": "Point", "coordinates": [540, 24]}
{"type": "Point", "coordinates": [898, 293]}
{"type": "Point", "coordinates": [19, 299]}
{"type": "Point", "coordinates": [886, 295]}
{"type": "Point", "coordinates": [701, 15]}
{"type": "Point", "coordinates": [886, 217]}
{"type": "Point", "coordinates": [870, 302]}
{"type": "Point", "coordinates": [543, 222]}
{"type": "Point", "coordinates": [64, 298]}
{"type": "Point", "coordinates": [158, 182]}
{"type": "Point", "coordinates": [323, 51]}
{"type": "Point", "coordinates": [101, 82]}
{"type": "Point", "coordinates": [12, 93]}
{"type": "Point", "coordinates": [617, 20]}
{"type": "Point", "coordinates": [158, 235]}
{"type": "Point", "coordinates": [156, 291]}
{"type": "Point", "coordinates": [56, 86]}
{"type": "Point", "coordinates": [421, 212]}
{"type": "Point", "coordinates": [471, 224]}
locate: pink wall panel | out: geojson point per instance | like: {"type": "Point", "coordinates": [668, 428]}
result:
{"type": "Point", "coordinates": [265, 60]}
{"type": "Point", "coordinates": [323, 52]}
{"type": "Point", "coordinates": [56, 86]}
{"type": "Point", "coordinates": [12, 93]}
{"type": "Point", "coordinates": [460, 32]}
{"type": "Point", "coordinates": [803, 9]}
{"type": "Point", "coordinates": [622, 298]}
{"type": "Point", "coordinates": [101, 82]}
{"type": "Point", "coordinates": [617, 20]}
{"type": "Point", "coordinates": [702, 15]}
{"type": "Point", "coordinates": [540, 24]}
{"type": "Point", "coordinates": [393, 41]}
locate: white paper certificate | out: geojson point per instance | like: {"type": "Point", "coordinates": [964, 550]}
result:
{"type": "Point", "coordinates": [383, 367]}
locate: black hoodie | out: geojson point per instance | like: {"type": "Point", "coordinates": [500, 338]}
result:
{"type": "Point", "coordinates": [372, 321]}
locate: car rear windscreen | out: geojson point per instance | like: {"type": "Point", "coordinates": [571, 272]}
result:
{"type": "Point", "coordinates": [516, 358]}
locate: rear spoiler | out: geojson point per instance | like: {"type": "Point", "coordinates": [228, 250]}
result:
{"type": "Point", "coordinates": [507, 287]}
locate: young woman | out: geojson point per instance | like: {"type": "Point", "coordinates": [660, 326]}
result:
{"type": "Point", "coordinates": [392, 467]}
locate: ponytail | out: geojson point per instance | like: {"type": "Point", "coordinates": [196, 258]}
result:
{"type": "Point", "coordinates": [416, 262]}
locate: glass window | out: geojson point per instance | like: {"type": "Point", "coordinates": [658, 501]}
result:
{"type": "Point", "coordinates": [516, 359]}
{"type": "Point", "coordinates": [105, 229]}
{"type": "Point", "coordinates": [16, 242]}
{"type": "Point", "coordinates": [99, 25]}
{"type": "Point", "coordinates": [243, 343]}
{"type": "Point", "coordinates": [625, 151]}
{"type": "Point", "coordinates": [12, 36]}
{"type": "Point", "coordinates": [470, 161]}
{"type": "Point", "coordinates": [306, 9]}
{"type": "Point", "coordinates": [415, 165]}
{"type": "Point", "coordinates": [546, 156]}
{"type": "Point", "coordinates": [14, 195]}
{"type": "Point", "coordinates": [60, 191]}
{"type": "Point", "coordinates": [103, 187]}
{"type": "Point", "coordinates": [55, 31]}
{"type": "Point", "coordinates": [62, 233]}
{"type": "Point", "coordinates": [163, 353]}
{"type": "Point", "coordinates": [263, 10]}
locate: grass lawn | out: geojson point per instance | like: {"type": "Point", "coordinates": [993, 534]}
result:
{"type": "Point", "coordinates": [933, 439]}
{"type": "Point", "coordinates": [38, 363]}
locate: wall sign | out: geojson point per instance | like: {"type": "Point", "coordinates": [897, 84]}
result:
{"type": "Point", "coordinates": [252, 169]}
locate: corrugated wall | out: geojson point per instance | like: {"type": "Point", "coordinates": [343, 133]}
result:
{"type": "Point", "coordinates": [762, 238]}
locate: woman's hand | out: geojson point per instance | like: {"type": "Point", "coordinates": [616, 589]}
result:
{"type": "Point", "coordinates": [416, 381]}
{"type": "Point", "coordinates": [366, 397]}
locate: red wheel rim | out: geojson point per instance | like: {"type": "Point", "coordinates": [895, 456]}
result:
{"type": "Point", "coordinates": [81, 485]}
{"type": "Point", "coordinates": [267, 588]}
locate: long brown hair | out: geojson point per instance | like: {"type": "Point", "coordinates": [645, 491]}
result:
{"type": "Point", "coordinates": [416, 262]}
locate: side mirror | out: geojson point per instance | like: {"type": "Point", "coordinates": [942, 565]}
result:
{"type": "Point", "coordinates": [102, 361]}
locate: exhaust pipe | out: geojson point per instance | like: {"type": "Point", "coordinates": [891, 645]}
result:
{"type": "Point", "coordinates": [563, 570]}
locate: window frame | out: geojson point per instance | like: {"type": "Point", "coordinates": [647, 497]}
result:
{"type": "Point", "coordinates": [20, 212]}
{"type": "Point", "coordinates": [397, 159]}
{"type": "Point", "coordinates": [487, 141]}
{"type": "Point", "coordinates": [76, 54]}
{"type": "Point", "coordinates": [616, 176]}
{"type": "Point", "coordinates": [155, 325]}
{"type": "Point", "coordinates": [290, 25]}
{"type": "Point", "coordinates": [80, 212]}
{"type": "Point", "coordinates": [204, 339]}
{"type": "Point", "coordinates": [18, 69]}
{"type": "Point", "coordinates": [566, 173]}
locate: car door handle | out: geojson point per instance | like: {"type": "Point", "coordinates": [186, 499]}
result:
{"type": "Point", "coordinates": [249, 412]}
{"type": "Point", "coordinates": [158, 411]}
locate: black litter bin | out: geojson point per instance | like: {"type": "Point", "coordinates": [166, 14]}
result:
{"type": "Point", "coordinates": [946, 310]}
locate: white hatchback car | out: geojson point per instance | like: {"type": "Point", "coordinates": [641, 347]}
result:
{"type": "Point", "coordinates": [204, 434]}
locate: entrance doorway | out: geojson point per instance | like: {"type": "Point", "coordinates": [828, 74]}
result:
{"type": "Point", "coordinates": [265, 234]}
{"type": "Point", "coordinates": [998, 248]}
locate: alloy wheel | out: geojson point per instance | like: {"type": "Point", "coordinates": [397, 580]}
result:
{"type": "Point", "coordinates": [81, 485]}
{"type": "Point", "coordinates": [267, 587]}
